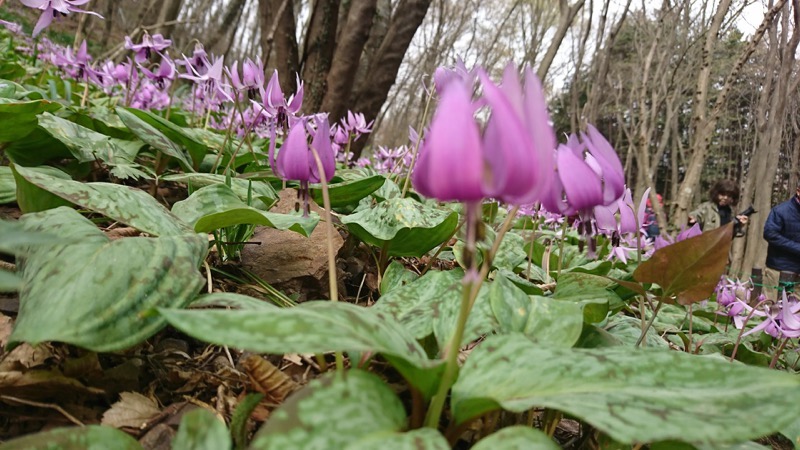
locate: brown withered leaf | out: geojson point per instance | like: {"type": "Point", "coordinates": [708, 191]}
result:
{"type": "Point", "coordinates": [42, 384]}
{"type": "Point", "coordinates": [268, 379]}
{"type": "Point", "coordinates": [133, 410]}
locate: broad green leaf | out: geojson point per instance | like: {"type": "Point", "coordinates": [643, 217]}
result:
{"type": "Point", "coordinates": [92, 437]}
{"type": "Point", "coordinates": [312, 327]}
{"type": "Point", "coordinates": [201, 429]}
{"type": "Point", "coordinates": [19, 117]}
{"type": "Point", "coordinates": [516, 437]}
{"type": "Point", "coordinates": [544, 320]}
{"type": "Point", "coordinates": [9, 88]}
{"type": "Point", "coordinates": [196, 148]}
{"type": "Point", "coordinates": [792, 432]}
{"type": "Point", "coordinates": [100, 294]}
{"type": "Point", "coordinates": [334, 411]}
{"type": "Point", "coordinates": [36, 148]}
{"type": "Point", "coordinates": [9, 282]}
{"type": "Point", "coordinates": [8, 187]}
{"type": "Point", "coordinates": [689, 270]}
{"type": "Point", "coordinates": [510, 254]}
{"type": "Point", "coordinates": [419, 439]}
{"type": "Point", "coordinates": [589, 291]}
{"type": "Point", "coordinates": [430, 305]}
{"type": "Point", "coordinates": [154, 137]}
{"type": "Point", "coordinates": [407, 227]}
{"type": "Point", "coordinates": [229, 300]}
{"type": "Point", "coordinates": [348, 192]}
{"type": "Point", "coordinates": [85, 145]}
{"type": "Point", "coordinates": [33, 198]}
{"type": "Point", "coordinates": [217, 206]}
{"type": "Point", "coordinates": [263, 195]}
{"type": "Point", "coordinates": [628, 329]}
{"type": "Point", "coordinates": [632, 395]}
{"type": "Point", "coordinates": [527, 286]}
{"type": "Point", "coordinates": [122, 203]}
{"type": "Point", "coordinates": [395, 276]}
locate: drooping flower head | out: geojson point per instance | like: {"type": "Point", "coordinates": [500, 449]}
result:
{"type": "Point", "coordinates": [75, 64]}
{"type": "Point", "coordinates": [149, 46]}
{"type": "Point", "coordinates": [511, 160]}
{"type": "Point", "coordinates": [277, 105]}
{"type": "Point", "coordinates": [251, 81]}
{"type": "Point", "coordinates": [55, 8]}
{"type": "Point", "coordinates": [164, 75]}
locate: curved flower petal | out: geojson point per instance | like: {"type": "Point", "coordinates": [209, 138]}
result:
{"type": "Point", "coordinates": [607, 158]}
{"type": "Point", "coordinates": [451, 159]}
{"type": "Point", "coordinates": [294, 158]}
{"type": "Point", "coordinates": [44, 21]}
{"type": "Point", "coordinates": [322, 144]}
{"type": "Point", "coordinates": [581, 184]}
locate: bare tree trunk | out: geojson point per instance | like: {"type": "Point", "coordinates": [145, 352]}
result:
{"type": "Point", "coordinates": [383, 70]}
{"type": "Point", "coordinates": [170, 9]}
{"type": "Point", "coordinates": [318, 49]}
{"type": "Point", "coordinates": [277, 21]}
{"type": "Point", "coordinates": [568, 14]}
{"type": "Point", "coordinates": [768, 153]}
{"type": "Point", "coordinates": [347, 56]}
{"type": "Point", "coordinates": [221, 40]}
{"type": "Point", "coordinates": [703, 125]}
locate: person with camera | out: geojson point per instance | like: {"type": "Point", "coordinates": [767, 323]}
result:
{"type": "Point", "coordinates": [718, 211]}
{"type": "Point", "coordinates": [782, 233]}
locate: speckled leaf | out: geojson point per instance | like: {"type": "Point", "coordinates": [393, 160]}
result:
{"type": "Point", "coordinates": [689, 270]}
{"type": "Point", "coordinates": [542, 319]}
{"type": "Point", "coordinates": [395, 276]}
{"type": "Point", "coordinates": [19, 117]}
{"type": "Point", "coordinates": [155, 138]}
{"type": "Point", "coordinates": [348, 192]}
{"type": "Point", "coordinates": [263, 195]}
{"type": "Point", "coordinates": [510, 254]}
{"type": "Point", "coordinates": [8, 188]}
{"type": "Point", "coordinates": [92, 437]}
{"type": "Point", "coordinates": [632, 395]}
{"type": "Point", "coordinates": [591, 292]}
{"type": "Point", "coordinates": [409, 227]}
{"type": "Point", "coordinates": [430, 304]}
{"type": "Point", "coordinates": [196, 148]}
{"type": "Point", "coordinates": [201, 429]}
{"type": "Point", "coordinates": [85, 145]}
{"type": "Point", "coordinates": [333, 411]}
{"type": "Point", "coordinates": [32, 198]}
{"type": "Point", "coordinates": [97, 293]}
{"type": "Point", "coordinates": [517, 437]}
{"type": "Point", "coordinates": [217, 206]}
{"type": "Point", "coordinates": [229, 300]}
{"type": "Point", "coordinates": [419, 439]}
{"type": "Point", "coordinates": [312, 327]}
{"type": "Point", "coordinates": [792, 431]}
{"type": "Point", "coordinates": [125, 204]}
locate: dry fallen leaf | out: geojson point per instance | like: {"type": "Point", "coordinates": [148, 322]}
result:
{"type": "Point", "coordinates": [133, 410]}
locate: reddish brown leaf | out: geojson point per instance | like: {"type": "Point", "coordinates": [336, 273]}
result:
{"type": "Point", "coordinates": [689, 270]}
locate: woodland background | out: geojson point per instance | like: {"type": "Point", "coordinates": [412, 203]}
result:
{"type": "Point", "coordinates": [685, 92]}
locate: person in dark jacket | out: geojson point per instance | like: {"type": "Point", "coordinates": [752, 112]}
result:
{"type": "Point", "coordinates": [782, 233]}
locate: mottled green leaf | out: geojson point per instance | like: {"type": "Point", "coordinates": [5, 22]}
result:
{"type": "Point", "coordinates": [542, 319]}
{"type": "Point", "coordinates": [196, 148]}
{"type": "Point", "coordinates": [122, 203]}
{"type": "Point", "coordinates": [263, 195]}
{"type": "Point", "coordinates": [333, 411]}
{"type": "Point", "coordinates": [92, 437]}
{"type": "Point", "coordinates": [19, 117]}
{"type": "Point", "coordinates": [396, 275]}
{"type": "Point", "coordinates": [8, 187]}
{"type": "Point", "coordinates": [591, 292]}
{"type": "Point", "coordinates": [229, 300]}
{"type": "Point", "coordinates": [689, 270]}
{"type": "Point", "coordinates": [419, 439]}
{"type": "Point", "coordinates": [85, 145]}
{"type": "Point", "coordinates": [633, 395]}
{"type": "Point", "coordinates": [36, 148]}
{"type": "Point", "coordinates": [154, 137]}
{"type": "Point", "coordinates": [97, 293]}
{"type": "Point", "coordinates": [33, 198]}
{"type": "Point", "coordinates": [510, 254]}
{"type": "Point", "coordinates": [9, 282]}
{"type": "Point", "coordinates": [201, 429]}
{"type": "Point", "coordinates": [408, 227]}
{"type": "Point", "coordinates": [217, 206]}
{"type": "Point", "coordinates": [792, 432]}
{"type": "Point", "coordinates": [430, 305]}
{"type": "Point", "coordinates": [312, 327]}
{"type": "Point", "coordinates": [241, 416]}
{"type": "Point", "coordinates": [516, 437]}
{"type": "Point", "coordinates": [348, 192]}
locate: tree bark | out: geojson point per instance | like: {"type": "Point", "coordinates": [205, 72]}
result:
{"type": "Point", "coordinates": [407, 18]}
{"type": "Point", "coordinates": [568, 14]}
{"type": "Point", "coordinates": [318, 49]}
{"type": "Point", "coordinates": [169, 12]}
{"type": "Point", "coordinates": [341, 77]}
{"type": "Point", "coordinates": [278, 41]}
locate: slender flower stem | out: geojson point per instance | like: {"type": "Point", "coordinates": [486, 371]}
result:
{"type": "Point", "coordinates": [744, 325]}
{"type": "Point", "coordinates": [778, 352]}
{"type": "Point", "coordinates": [470, 285]}
{"type": "Point", "coordinates": [332, 282]}
{"type": "Point", "coordinates": [561, 247]}
{"type": "Point", "coordinates": [650, 322]}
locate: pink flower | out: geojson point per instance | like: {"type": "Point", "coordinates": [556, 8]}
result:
{"type": "Point", "coordinates": [54, 8]}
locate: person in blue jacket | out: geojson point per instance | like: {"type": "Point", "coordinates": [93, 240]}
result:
{"type": "Point", "coordinates": [782, 233]}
